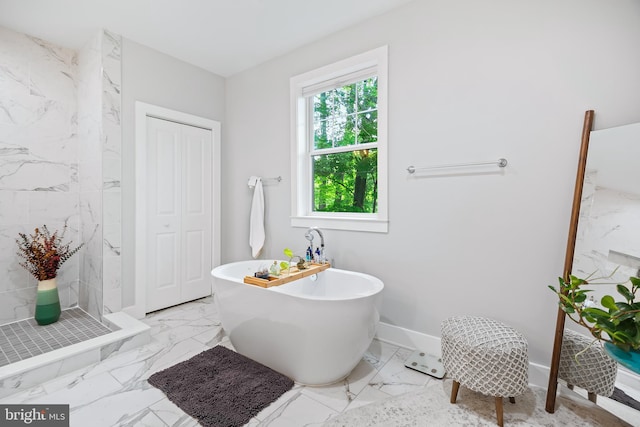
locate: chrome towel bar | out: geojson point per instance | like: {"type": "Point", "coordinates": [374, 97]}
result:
{"type": "Point", "coordinates": [501, 163]}
{"type": "Point", "coordinates": [252, 181]}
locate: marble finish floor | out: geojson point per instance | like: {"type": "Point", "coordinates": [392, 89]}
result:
{"type": "Point", "coordinates": [115, 392]}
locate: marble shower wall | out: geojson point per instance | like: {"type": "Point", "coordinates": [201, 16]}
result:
{"type": "Point", "coordinates": [38, 162]}
{"type": "Point", "coordinates": [60, 145]}
{"type": "Point", "coordinates": [100, 150]}
{"type": "Point", "coordinates": [111, 171]}
{"type": "Point", "coordinates": [90, 166]}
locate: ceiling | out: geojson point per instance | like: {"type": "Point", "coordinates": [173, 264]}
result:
{"type": "Point", "coordinates": [222, 36]}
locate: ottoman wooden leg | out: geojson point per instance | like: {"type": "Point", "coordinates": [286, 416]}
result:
{"type": "Point", "coordinates": [454, 391]}
{"type": "Point", "coordinates": [499, 411]}
{"type": "Point", "coordinates": [512, 399]}
{"type": "Point", "coordinates": [592, 396]}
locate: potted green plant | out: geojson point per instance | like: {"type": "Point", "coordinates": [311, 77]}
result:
{"type": "Point", "coordinates": [43, 254]}
{"type": "Point", "coordinates": [301, 264]}
{"type": "Point", "coordinates": [617, 324]}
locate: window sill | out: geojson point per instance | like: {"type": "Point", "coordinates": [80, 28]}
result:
{"type": "Point", "coordinates": [341, 223]}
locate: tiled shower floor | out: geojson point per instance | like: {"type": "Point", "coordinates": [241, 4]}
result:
{"type": "Point", "coordinates": [24, 339]}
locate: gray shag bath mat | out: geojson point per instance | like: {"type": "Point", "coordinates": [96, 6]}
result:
{"type": "Point", "coordinates": [622, 397]}
{"type": "Point", "coordinates": [220, 387]}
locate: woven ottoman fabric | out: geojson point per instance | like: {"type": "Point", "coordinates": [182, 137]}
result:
{"type": "Point", "coordinates": [593, 371]}
{"type": "Point", "coordinates": [485, 356]}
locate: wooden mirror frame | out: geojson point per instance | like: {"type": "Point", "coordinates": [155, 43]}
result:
{"type": "Point", "coordinates": [568, 261]}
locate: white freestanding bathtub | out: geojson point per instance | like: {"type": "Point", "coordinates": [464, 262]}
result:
{"type": "Point", "coordinates": [313, 331]}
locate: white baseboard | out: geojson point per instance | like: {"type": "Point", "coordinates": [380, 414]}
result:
{"type": "Point", "coordinates": [407, 338]}
{"type": "Point", "coordinates": [628, 379]}
{"type": "Point", "coordinates": [538, 374]}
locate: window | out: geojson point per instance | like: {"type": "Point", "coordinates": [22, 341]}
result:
{"type": "Point", "coordinates": [339, 144]}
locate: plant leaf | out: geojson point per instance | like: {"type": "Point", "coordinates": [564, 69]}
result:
{"type": "Point", "coordinates": [625, 292]}
{"type": "Point", "coordinates": [596, 313]}
{"type": "Point", "coordinates": [608, 302]}
{"type": "Point", "coordinates": [580, 297]}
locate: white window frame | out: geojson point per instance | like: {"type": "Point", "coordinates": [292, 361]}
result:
{"type": "Point", "coordinates": [373, 62]}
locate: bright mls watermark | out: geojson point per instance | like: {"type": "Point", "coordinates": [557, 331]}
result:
{"type": "Point", "coordinates": [34, 415]}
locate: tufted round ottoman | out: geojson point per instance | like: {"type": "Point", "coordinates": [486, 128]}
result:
{"type": "Point", "coordinates": [485, 356]}
{"type": "Point", "coordinates": [594, 370]}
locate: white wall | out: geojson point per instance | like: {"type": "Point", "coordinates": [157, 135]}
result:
{"type": "Point", "coordinates": [155, 78]}
{"type": "Point", "coordinates": [468, 81]}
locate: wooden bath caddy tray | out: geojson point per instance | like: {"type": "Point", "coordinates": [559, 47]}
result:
{"type": "Point", "coordinates": [293, 274]}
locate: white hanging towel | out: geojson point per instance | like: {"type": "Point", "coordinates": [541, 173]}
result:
{"type": "Point", "coordinates": [256, 220]}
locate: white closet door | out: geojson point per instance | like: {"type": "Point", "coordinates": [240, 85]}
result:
{"type": "Point", "coordinates": [196, 212]}
{"type": "Point", "coordinates": [178, 213]}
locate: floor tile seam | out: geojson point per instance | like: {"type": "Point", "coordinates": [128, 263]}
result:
{"type": "Point", "coordinates": [150, 411]}
{"type": "Point", "coordinates": [6, 360]}
{"type": "Point", "coordinates": [367, 384]}
{"type": "Point", "coordinates": [95, 326]}
{"type": "Point", "coordinates": [73, 318]}
{"type": "Point", "coordinates": [174, 342]}
{"type": "Point", "coordinates": [296, 395]}
{"type": "Point", "coordinates": [90, 317]}
{"type": "Point", "coordinates": [50, 334]}
{"type": "Point", "coordinates": [31, 338]}
{"type": "Point", "coordinates": [13, 348]}
{"type": "Point", "coordinates": [166, 424]}
{"type": "Point", "coordinates": [181, 416]}
{"type": "Point", "coordinates": [12, 331]}
{"type": "Point", "coordinates": [139, 373]}
{"type": "Point", "coordinates": [140, 385]}
{"type": "Point", "coordinates": [72, 326]}
{"type": "Point", "coordinates": [378, 370]}
{"type": "Point", "coordinates": [20, 349]}
{"type": "Point", "coordinates": [219, 335]}
{"type": "Point", "coordinates": [318, 401]}
{"type": "Point", "coordinates": [88, 323]}
{"type": "Point", "coordinates": [59, 337]}
{"type": "Point", "coordinates": [373, 388]}
{"type": "Point", "coordinates": [160, 354]}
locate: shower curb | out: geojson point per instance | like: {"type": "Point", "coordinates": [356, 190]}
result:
{"type": "Point", "coordinates": [128, 333]}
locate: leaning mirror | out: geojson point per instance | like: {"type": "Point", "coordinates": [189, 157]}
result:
{"type": "Point", "coordinates": [604, 237]}
{"type": "Point", "coordinates": [608, 234]}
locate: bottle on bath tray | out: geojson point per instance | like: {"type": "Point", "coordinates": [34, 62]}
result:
{"type": "Point", "coordinates": [275, 269]}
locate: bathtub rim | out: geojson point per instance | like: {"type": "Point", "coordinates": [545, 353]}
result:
{"type": "Point", "coordinates": [377, 285]}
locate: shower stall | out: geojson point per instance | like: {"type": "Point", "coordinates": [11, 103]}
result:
{"type": "Point", "coordinates": [60, 163]}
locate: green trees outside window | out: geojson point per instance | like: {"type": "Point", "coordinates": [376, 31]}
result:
{"type": "Point", "coordinates": [344, 152]}
{"type": "Point", "coordinates": [345, 120]}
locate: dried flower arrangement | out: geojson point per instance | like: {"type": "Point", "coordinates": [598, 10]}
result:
{"type": "Point", "coordinates": [43, 253]}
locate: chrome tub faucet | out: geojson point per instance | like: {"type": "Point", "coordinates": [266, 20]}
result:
{"type": "Point", "coordinates": [309, 236]}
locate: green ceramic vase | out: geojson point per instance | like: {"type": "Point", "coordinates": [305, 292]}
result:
{"type": "Point", "coordinates": [47, 302]}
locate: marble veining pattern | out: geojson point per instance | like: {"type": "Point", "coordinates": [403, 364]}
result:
{"type": "Point", "coordinates": [60, 149]}
{"type": "Point", "coordinates": [90, 154]}
{"type": "Point", "coordinates": [111, 170]}
{"type": "Point", "coordinates": [38, 161]}
{"type": "Point", "coordinates": [115, 392]}
{"type": "Point", "coordinates": [100, 171]}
